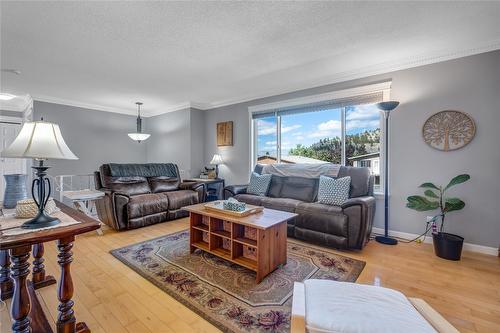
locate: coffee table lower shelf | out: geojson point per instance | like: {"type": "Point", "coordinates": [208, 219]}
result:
{"type": "Point", "coordinates": [261, 249]}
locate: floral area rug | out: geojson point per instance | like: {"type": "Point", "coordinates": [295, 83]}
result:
{"type": "Point", "coordinates": [226, 294]}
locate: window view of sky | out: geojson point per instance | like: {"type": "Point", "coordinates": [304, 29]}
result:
{"type": "Point", "coordinates": [308, 128]}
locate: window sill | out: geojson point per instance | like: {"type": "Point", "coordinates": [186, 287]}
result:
{"type": "Point", "coordinates": [379, 195]}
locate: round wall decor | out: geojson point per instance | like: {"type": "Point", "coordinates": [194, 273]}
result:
{"type": "Point", "coordinates": [449, 130]}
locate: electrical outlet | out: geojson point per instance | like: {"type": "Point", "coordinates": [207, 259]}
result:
{"type": "Point", "coordinates": [429, 218]}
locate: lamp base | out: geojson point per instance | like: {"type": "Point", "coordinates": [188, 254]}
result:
{"type": "Point", "coordinates": [40, 221]}
{"type": "Point", "coordinates": [386, 240]}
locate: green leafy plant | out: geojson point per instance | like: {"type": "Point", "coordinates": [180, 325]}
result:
{"type": "Point", "coordinates": [434, 198]}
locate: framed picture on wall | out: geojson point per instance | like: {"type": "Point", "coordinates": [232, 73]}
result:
{"type": "Point", "coordinates": [225, 134]}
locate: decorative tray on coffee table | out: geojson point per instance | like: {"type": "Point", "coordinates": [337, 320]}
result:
{"type": "Point", "coordinates": [217, 206]}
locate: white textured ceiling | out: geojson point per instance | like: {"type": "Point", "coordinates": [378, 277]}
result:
{"type": "Point", "coordinates": [167, 54]}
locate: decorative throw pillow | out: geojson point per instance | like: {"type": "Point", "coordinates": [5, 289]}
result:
{"type": "Point", "coordinates": [333, 191]}
{"type": "Point", "coordinates": [259, 184]}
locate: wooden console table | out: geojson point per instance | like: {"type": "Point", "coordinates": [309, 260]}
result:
{"type": "Point", "coordinates": [257, 241]}
{"type": "Point", "coordinates": [26, 310]}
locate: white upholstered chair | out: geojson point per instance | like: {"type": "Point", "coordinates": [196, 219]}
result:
{"type": "Point", "coordinates": [325, 306]}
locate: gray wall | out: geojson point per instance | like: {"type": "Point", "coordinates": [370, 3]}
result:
{"type": "Point", "coordinates": [170, 139]}
{"type": "Point", "coordinates": [197, 141]}
{"type": "Point", "coordinates": [177, 137]}
{"type": "Point", "coordinates": [96, 137]}
{"type": "Point", "coordinates": [470, 84]}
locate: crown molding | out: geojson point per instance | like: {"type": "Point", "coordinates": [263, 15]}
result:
{"type": "Point", "coordinates": [381, 68]}
{"type": "Point", "coordinates": [78, 104]}
{"type": "Point", "coordinates": [144, 114]}
{"type": "Point", "coordinates": [178, 107]}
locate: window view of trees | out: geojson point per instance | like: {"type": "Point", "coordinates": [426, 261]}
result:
{"type": "Point", "coordinates": [316, 137]}
{"type": "Point", "coordinates": [330, 149]}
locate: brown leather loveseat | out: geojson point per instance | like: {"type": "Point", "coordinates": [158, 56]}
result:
{"type": "Point", "coordinates": [137, 195]}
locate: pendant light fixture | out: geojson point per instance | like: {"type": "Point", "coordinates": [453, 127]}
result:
{"type": "Point", "coordinates": [138, 135]}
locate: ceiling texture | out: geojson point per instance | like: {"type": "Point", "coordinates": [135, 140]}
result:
{"type": "Point", "coordinates": [170, 55]}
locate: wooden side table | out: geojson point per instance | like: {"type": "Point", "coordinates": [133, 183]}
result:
{"type": "Point", "coordinates": [26, 310]}
{"type": "Point", "coordinates": [84, 201]}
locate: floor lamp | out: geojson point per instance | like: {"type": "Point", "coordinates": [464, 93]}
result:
{"type": "Point", "coordinates": [386, 108]}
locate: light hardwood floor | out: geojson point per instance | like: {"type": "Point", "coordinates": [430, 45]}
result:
{"type": "Point", "coordinates": [112, 298]}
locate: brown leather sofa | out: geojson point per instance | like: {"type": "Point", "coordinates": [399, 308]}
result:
{"type": "Point", "coordinates": [344, 227]}
{"type": "Point", "coordinates": [137, 195]}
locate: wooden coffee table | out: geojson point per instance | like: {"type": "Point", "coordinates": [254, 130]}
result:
{"type": "Point", "coordinates": [257, 241]}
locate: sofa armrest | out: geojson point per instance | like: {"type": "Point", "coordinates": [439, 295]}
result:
{"type": "Point", "coordinates": [120, 202]}
{"type": "Point", "coordinates": [232, 190]}
{"type": "Point", "coordinates": [198, 187]}
{"type": "Point", "coordinates": [365, 201]}
{"type": "Point", "coordinates": [360, 211]}
{"type": "Point", "coordinates": [111, 208]}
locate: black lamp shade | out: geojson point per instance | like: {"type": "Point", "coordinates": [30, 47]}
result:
{"type": "Point", "coordinates": [388, 105]}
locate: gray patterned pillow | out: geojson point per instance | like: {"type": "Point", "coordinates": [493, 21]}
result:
{"type": "Point", "coordinates": [259, 184]}
{"type": "Point", "coordinates": [333, 191]}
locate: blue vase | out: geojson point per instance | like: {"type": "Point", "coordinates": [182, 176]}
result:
{"type": "Point", "coordinates": [15, 190]}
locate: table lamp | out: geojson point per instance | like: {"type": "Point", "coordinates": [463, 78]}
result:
{"type": "Point", "coordinates": [216, 160]}
{"type": "Point", "coordinates": [40, 140]}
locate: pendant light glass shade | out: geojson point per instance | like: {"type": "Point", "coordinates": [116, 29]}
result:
{"type": "Point", "coordinates": [139, 136]}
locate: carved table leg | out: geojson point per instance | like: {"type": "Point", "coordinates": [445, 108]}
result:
{"type": "Point", "coordinates": [66, 321]}
{"type": "Point", "coordinates": [6, 282]}
{"type": "Point", "coordinates": [20, 306]}
{"type": "Point", "coordinates": [39, 278]}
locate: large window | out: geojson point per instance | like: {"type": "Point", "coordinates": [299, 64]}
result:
{"type": "Point", "coordinates": [312, 137]}
{"type": "Point", "coordinates": [267, 140]}
{"type": "Point", "coordinates": [328, 132]}
{"type": "Point", "coordinates": [362, 137]}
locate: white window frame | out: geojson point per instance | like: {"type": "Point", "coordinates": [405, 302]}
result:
{"type": "Point", "coordinates": [384, 87]}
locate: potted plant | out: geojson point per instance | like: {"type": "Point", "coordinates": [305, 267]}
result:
{"type": "Point", "coordinates": [446, 245]}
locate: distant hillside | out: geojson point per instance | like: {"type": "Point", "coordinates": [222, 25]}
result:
{"type": "Point", "coordinates": [329, 149]}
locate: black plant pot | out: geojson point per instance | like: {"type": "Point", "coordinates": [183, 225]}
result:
{"type": "Point", "coordinates": [448, 246]}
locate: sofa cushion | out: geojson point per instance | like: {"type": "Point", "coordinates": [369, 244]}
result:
{"type": "Point", "coordinates": [320, 238]}
{"type": "Point", "coordinates": [163, 184]}
{"type": "Point", "coordinates": [259, 184]}
{"type": "Point", "coordinates": [146, 204]}
{"type": "Point", "coordinates": [283, 204]}
{"type": "Point", "coordinates": [333, 191]}
{"type": "Point", "coordinates": [128, 185]}
{"type": "Point", "coordinates": [179, 199]}
{"type": "Point", "coordinates": [360, 180]}
{"type": "Point", "coordinates": [323, 218]}
{"type": "Point", "coordinates": [249, 199]}
{"type": "Point", "coordinates": [299, 188]}
{"type": "Point", "coordinates": [143, 221]}
{"type": "Point", "coordinates": [143, 170]}
{"type": "Point", "coordinates": [275, 186]}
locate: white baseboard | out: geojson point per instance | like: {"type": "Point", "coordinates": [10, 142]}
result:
{"type": "Point", "coordinates": [467, 246]}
